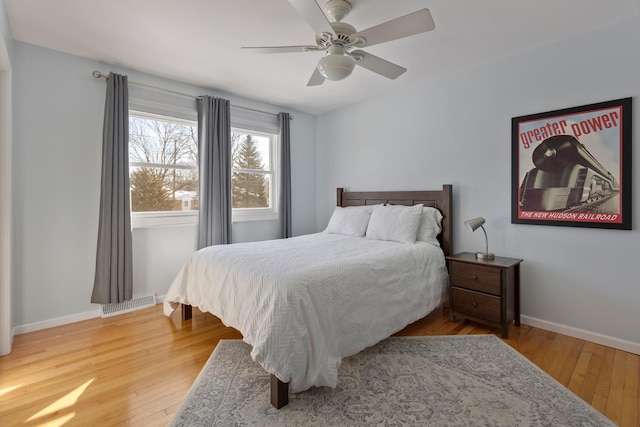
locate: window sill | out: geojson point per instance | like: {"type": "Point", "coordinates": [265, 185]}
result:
{"type": "Point", "coordinates": [168, 219]}
{"type": "Point", "coordinates": [163, 219]}
{"type": "Point", "coordinates": [266, 214]}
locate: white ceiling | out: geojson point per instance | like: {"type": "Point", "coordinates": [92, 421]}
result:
{"type": "Point", "coordinates": [198, 41]}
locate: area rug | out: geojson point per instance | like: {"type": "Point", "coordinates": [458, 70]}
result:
{"type": "Point", "coordinates": [470, 380]}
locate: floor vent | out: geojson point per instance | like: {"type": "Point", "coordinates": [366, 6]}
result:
{"type": "Point", "coordinates": [137, 303]}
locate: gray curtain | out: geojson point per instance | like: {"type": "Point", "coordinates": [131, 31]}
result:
{"type": "Point", "coordinates": [114, 279]}
{"type": "Point", "coordinates": [214, 156]}
{"type": "Point", "coordinates": [285, 176]}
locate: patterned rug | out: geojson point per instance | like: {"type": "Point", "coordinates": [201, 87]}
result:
{"type": "Point", "coordinates": [467, 380]}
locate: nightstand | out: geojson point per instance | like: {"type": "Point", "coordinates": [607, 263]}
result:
{"type": "Point", "coordinates": [485, 291]}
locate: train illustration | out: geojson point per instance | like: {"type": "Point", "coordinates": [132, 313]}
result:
{"type": "Point", "coordinates": [566, 175]}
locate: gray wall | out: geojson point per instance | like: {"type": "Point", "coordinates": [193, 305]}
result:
{"type": "Point", "coordinates": [58, 110]}
{"type": "Point", "coordinates": [456, 129]}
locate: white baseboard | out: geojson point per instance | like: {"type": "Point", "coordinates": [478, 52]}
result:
{"type": "Point", "coordinates": [58, 321]}
{"type": "Point", "coordinates": [64, 320]}
{"type": "Point", "coordinates": [594, 337]}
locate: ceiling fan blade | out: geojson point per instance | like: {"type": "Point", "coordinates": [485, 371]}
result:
{"type": "Point", "coordinates": [313, 14]}
{"type": "Point", "coordinates": [377, 65]}
{"type": "Point", "coordinates": [414, 23]}
{"type": "Point", "coordinates": [316, 78]}
{"type": "Point", "coordinates": [280, 49]}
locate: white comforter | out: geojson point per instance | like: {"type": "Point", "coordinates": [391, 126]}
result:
{"type": "Point", "coordinates": [303, 303]}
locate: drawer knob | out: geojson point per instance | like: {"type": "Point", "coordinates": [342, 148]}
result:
{"type": "Point", "coordinates": [475, 277]}
{"type": "Point", "coordinates": [475, 304]}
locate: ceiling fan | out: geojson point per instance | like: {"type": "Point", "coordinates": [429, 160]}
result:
{"type": "Point", "coordinates": [339, 39]}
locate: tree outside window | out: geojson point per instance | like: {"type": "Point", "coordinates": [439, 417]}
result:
{"type": "Point", "coordinates": [251, 169]}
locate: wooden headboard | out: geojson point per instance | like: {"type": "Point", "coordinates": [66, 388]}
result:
{"type": "Point", "coordinates": [440, 199]}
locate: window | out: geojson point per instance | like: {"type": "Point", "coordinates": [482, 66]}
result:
{"type": "Point", "coordinates": [163, 169]}
{"type": "Point", "coordinates": [253, 174]}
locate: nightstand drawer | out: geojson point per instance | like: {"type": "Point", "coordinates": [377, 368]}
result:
{"type": "Point", "coordinates": [476, 277]}
{"type": "Point", "coordinates": [475, 304]}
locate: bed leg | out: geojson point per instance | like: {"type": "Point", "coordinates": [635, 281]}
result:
{"type": "Point", "coordinates": [279, 392]}
{"type": "Point", "coordinates": [186, 312]}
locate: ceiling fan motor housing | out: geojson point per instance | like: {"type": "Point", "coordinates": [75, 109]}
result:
{"type": "Point", "coordinates": [343, 35]}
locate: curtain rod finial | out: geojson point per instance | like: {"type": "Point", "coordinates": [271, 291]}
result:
{"type": "Point", "coordinates": [98, 74]}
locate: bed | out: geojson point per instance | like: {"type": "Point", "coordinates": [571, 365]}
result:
{"type": "Point", "coordinates": [306, 302]}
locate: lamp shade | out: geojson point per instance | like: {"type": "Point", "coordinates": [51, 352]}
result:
{"type": "Point", "coordinates": [336, 67]}
{"type": "Point", "coordinates": [473, 224]}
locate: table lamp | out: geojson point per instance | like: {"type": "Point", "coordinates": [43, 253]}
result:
{"type": "Point", "coordinates": [472, 225]}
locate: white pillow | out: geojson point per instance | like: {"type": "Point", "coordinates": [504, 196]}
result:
{"type": "Point", "coordinates": [396, 223]}
{"type": "Point", "coordinates": [430, 226]}
{"type": "Point", "coordinates": [350, 221]}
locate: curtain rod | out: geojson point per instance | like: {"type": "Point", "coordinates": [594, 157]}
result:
{"type": "Point", "coordinates": [99, 75]}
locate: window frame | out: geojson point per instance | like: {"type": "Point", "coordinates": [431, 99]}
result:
{"type": "Point", "coordinates": [261, 214]}
{"type": "Point", "coordinates": [179, 218]}
{"type": "Point", "coordinates": [162, 218]}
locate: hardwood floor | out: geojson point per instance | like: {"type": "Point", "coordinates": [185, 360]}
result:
{"type": "Point", "coordinates": [135, 368]}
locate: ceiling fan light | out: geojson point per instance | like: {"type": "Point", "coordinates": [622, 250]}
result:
{"type": "Point", "coordinates": [336, 67]}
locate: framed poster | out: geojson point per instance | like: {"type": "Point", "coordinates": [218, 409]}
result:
{"type": "Point", "coordinates": [572, 167]}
